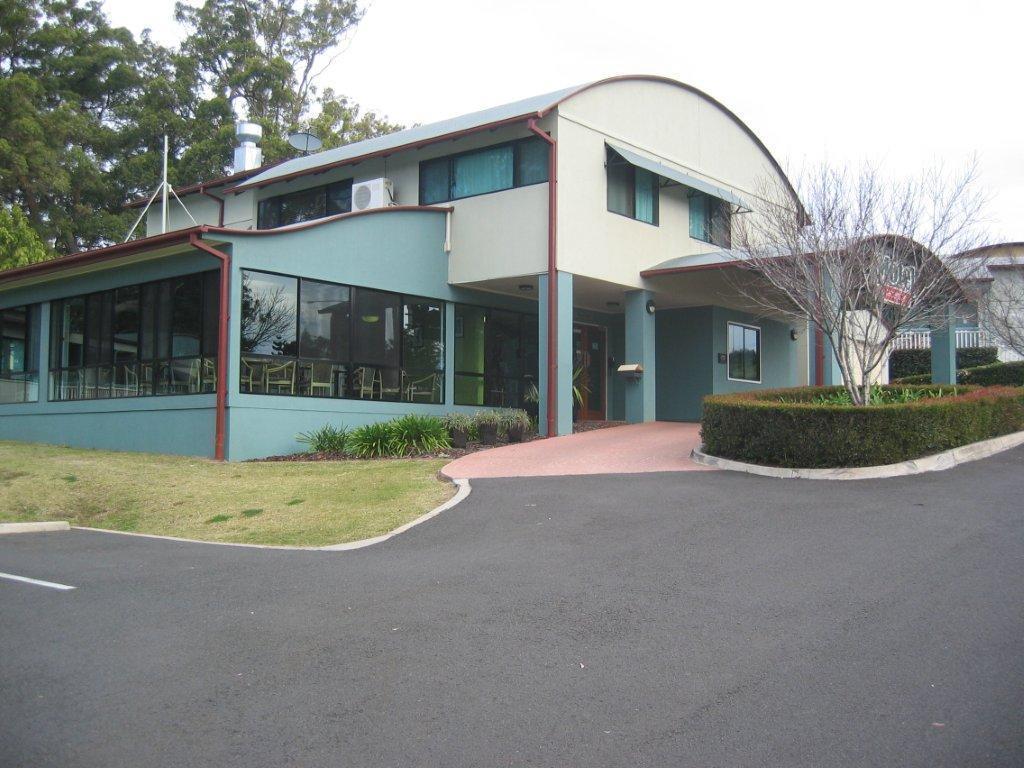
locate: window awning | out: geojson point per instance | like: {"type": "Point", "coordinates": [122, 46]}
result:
{"type": "Point", "coordinates": [684, 179]}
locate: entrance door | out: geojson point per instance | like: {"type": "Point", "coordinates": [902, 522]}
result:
{"type": "Point", "coordinates": [590, 371]}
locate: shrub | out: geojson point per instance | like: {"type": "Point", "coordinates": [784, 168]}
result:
{"type": "Point", "coordinates": [458, 422]}
{"type": "Point", "coordinates": [918, 362]}
{"type": "Point", "coordinates": [372, 441]}
{"type": "Point", "coordinates": [515, 418]}
{"type": "Point", "coordinates": [420, 434]}
{"type": "Point", "coordinates": [326, 439]}
{"type": "Point", "coordinates": [487, 419]}
{"type": "Point", "coordinates": [1008, 374]}
{"type": "Point", "coordinates": [788, 428]}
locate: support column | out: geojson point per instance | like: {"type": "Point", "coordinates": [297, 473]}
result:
{"type": "Point", "coordinates": [449, 353]}
{"type": "Point", "coordinates": [563, 346]}
{"type": "Point", "coordinates": [640, 393]}
{"type": "Point", "coordinates": [944, 350]}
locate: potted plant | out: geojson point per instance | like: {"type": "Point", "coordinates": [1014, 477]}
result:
{"type": "Point", "coordinates": [517, 424]}
{"type": "Point", "coordinates": [487, 424]}
{"type": "Point", "coordinates": [459, 426]}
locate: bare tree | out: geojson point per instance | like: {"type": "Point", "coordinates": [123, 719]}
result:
{"type": "Point", "coordinates": [268, 317]}
{"type": "Point", "coordinates": [862, 259]}
{"type": "Point", "coordinates": [1000, 297]}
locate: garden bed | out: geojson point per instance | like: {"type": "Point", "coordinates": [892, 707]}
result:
{"type": "Point", "coordinates": [810, 427]}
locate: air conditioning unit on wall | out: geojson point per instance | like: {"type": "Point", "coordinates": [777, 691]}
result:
{"type": "Point", "coordinates": [376, 193]}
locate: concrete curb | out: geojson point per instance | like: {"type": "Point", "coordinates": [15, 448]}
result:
{"type": "Point", "coordinates": [934, 463]}
{"type": "Point", "coordinates": [463, 491]}
{"type": "Point", "coordinates": [49, 525]}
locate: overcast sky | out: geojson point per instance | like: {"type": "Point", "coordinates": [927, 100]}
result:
{"type": "Point", "coordinates": [901, 84]}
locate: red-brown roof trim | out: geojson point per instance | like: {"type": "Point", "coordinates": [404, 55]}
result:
{"type": "Point", "coordinates": [213, 183]}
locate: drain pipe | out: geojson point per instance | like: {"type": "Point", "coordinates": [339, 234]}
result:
{"type": "Point", "coordinates": [552, 362]}
{"type": "Point", "coordinates": [222, 340]}
{"type": "Point", "coordinates": [220, 204]}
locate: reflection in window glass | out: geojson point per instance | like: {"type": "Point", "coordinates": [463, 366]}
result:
{"type": "Point", "coordinates": [187, 316]}
{"type": "Point", "coordinates": [19, 362]}
{"type": "Point", "coordinates": [268, 313]}
{"type": "Point", "coordinates": [481, 172]}
{"type": "Point", "coordinates": [375, 328]}
{"type": "Point", "coordinates": [324, 320]}
{"type": "Point", "coordinates": [495, 357]}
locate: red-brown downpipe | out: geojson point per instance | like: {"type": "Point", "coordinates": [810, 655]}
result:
{"type": "Point", "coordinates": [552, 393]}
{"type": "Point", "coordinates": [222, 341]}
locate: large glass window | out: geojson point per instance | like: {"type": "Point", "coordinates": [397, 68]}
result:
{"type": "Point", "coordinates": [632, 191]}
{"type": "Point", "coordinates": [492, 169]}
{"type": "Point", "coordinates": [710, 220]}
{"type": "Point", "coordinates": [19, 357]}
{"type": "Point", "coordinates": [744, 352]}
{"type": "Point", "coordinates": [153, 339]}
{"type": "Point", "coordinates": [318, 339]}
{"type": "Point", "coordinates": [305, 205]}
{"type": "Point", "coordinates": [495, 357]}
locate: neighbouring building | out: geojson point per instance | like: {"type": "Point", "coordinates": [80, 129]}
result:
{"type": "Point", "coordinates": [491, 260]}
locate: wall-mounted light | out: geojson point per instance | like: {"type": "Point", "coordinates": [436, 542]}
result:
{"type": "Point", "coordinates": [525, 287]}
{"type": "Point", "coordinates": [650, 306]}
{"type": "Point", "coordinates": [793, 335]}
{"type": "Point", "coordinates": [612, 304]}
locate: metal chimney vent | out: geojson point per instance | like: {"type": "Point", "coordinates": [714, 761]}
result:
{"type": "Point", "coordinates": [248, 155]}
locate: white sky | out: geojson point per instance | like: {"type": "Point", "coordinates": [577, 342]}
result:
{"type": "Point", "coordinates": [901, 84]}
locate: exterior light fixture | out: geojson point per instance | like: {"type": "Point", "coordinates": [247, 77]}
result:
{"type": "Point", "coordinates": [650, 307]}
{"type": "Point", "coordinates": [525, 287]}
{"type": "Point", "coordinates": [793, 335]}
{"type": "Point", "coordinates": [612, 304]}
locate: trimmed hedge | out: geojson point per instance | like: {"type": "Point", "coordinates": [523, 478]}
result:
{"type": "Point", "coordinates": [1004, 374]}
{"type": "Point", "coordinates": [917, 362]}
{"type": "Point", "coordinates": [759, 427]}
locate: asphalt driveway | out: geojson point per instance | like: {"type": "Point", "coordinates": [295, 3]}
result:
{"type": "Point", "coordinates": [691, 619]}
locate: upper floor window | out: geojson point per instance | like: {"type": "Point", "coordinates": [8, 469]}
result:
{"type": "Point", "coordinates": [305, 205]}
{"type": "Point", "coordinates": [19, 363]}
{"type": "Point", "coordinates": [632, 191]}
{"type": "Point", "coordinates": [710, 220]}
{"type": "Point", "coordinates": [492, 169]}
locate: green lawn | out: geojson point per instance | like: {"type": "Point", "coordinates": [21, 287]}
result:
{"type": "Point", "coordinates": [297, 503]}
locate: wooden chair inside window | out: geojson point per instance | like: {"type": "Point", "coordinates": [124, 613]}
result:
{"type": "Point", "coordinates": [251, 376]}
{"type": "Point", "coordinates": [422, 390]}
{"type": "Point", "coordinates": [321, 379]}
{"type": "Point", "coordinates": [281, 378]}
{"type": "Point", "coordinates": [208, 376]}
{"type": "Point", "coordinates": [365, 381]}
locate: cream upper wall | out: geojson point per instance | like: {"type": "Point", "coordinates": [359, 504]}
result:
{"type": "Point", "coordinates": [663, 122]}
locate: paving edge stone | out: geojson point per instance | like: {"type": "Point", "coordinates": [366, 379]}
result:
{"type": "Point", "coordinates": [934, 463]}
{"type": "Point", "coordinates": [42, 527]}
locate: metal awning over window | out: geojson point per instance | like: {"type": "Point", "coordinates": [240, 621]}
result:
{"type": "Point", "coordinates": [678, 177]}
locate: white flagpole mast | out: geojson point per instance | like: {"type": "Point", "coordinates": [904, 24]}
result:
{"type": "Point", "coordinates": [165, 214]}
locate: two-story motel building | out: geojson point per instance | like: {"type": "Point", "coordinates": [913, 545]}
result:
{"type": "Point", "coordinates": [490, 260]}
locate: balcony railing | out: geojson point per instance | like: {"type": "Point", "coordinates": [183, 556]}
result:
{"type": "Point", "coordinates": [966, 338]}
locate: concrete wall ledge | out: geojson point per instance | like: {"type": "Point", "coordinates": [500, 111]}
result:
{"type": "Point", "coordinates": [42, 527]}
{"type": "Point", "coordinates": [934, 463]}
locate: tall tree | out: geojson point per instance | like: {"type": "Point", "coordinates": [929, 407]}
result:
{"type": "Point", "coordinates": [19, 243]}
{"type": "Point", "coordinates": [84, 105]}
{"type": "Point", "coordinates": [267, 56]}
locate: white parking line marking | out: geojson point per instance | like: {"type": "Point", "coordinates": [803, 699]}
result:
{"type": "Point", "coordinates": [37, 582]}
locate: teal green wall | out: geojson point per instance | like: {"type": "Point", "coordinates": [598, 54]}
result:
{"type": "Point", "coordinates": [688, 343]}
{"type": "Point", "coordinates": [684, 346]}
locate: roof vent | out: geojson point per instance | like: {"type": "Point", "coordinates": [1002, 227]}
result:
{"type": "Point", "coordinates": [248, 156]}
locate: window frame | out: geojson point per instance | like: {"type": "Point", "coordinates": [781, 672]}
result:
{"type": "Point", "coordinates": [450, 159]}
{"type": "Point", "coordinates": [708, 225]}
{"type": "Point", "coordinates": [632, 169]}
{"type": "Point", "coordinates": [323, 189]}
{"type": "Point", "coordinates": [30, 356]}
{"type": "Point", "coordinates": [403, 299]}
{"type": "Point", "coordinates": [728, 355]}
{"type": "Point", "coordinates": [522, 321]}
{"type": "Point", "coordinates": [147, 340]}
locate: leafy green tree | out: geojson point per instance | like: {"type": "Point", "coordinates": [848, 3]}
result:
{"type": "Point", "coordinates": [84, 106]}
{"type": "Point", "coordinates": [266, 56]}
{"type": "Point", "coordinates": [19, 243]}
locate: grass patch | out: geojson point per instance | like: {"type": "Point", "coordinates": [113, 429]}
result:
{"type": "Point", "coordinates": [183, 496]}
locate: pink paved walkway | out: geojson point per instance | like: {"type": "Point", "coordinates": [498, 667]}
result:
{"type": "Point", "coordinates": [659, 446]}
